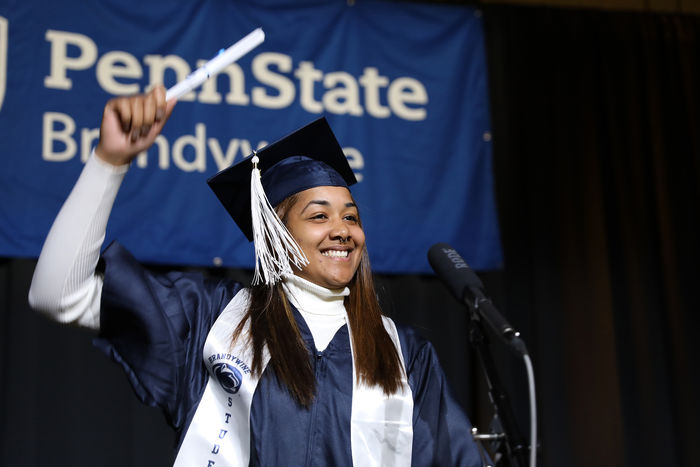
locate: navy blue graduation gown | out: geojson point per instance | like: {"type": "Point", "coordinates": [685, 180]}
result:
{"type": "Point", "coordinates": [155, 327]}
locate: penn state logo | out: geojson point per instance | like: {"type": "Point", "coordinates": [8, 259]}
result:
{"type": "Point", "coordinates": [229, 377]}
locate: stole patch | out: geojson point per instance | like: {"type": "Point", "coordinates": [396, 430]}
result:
{"type": "Point", "coordinates": [228, 376]}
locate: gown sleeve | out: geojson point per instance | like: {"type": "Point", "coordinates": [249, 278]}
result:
{"type": "Point", "coordinates": [441, 429]}
{"type": "Point", "coordinates": [155, 325]}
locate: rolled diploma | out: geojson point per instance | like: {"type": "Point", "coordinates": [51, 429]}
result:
{"type": "Point", "coordinates": [216, 64]}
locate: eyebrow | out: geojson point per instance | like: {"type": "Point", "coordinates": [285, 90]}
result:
{"type": "Point", "coordinates": [323, 202]}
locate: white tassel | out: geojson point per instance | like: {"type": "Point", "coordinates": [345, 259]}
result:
{"type": "Point", "coordinates": [274, 245]}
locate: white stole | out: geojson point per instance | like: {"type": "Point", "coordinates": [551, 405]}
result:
{"type": "Point", "coordinates": [381, 431]}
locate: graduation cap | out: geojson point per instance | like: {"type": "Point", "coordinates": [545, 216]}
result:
{"type": "Point", "coordinates": [249, 190]}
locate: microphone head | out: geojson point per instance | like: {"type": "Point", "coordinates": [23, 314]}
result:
{"type": "Point", "coordinates": [466, 287]}
{"type": "Point", "coordinates": [453, 270]}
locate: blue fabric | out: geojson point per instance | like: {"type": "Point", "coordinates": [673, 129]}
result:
{"type": "Point", "coordinates": [155, 327]}
{"type": "Point", "coordinates": [403, 84]}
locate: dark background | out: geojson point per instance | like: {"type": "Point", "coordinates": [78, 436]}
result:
{"type": "Point", "coordinates": [596, 117]}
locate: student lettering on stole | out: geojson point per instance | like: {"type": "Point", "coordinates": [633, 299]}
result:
{"type": "Point", "coordinates": [299, 368]}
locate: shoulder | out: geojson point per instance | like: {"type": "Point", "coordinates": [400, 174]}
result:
{"type": "Point", "coordinates": [416, 349]}
{"type": "Point", "coordinates": [410, 337]}
{"type": "Point", "coordinates": [176, 302]}
{"type": "Point", "coordinates": [123, 272]}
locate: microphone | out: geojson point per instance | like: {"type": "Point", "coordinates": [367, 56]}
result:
{"type": "Point", "coordinates": [466, 287]}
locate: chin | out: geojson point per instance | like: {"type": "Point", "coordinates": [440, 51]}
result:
{"type": "Point", "coordinates": [341, 280]}
{"type": "Point", "coordinates": [335, 284]}
{"type": "Point", "coordinates": [329, 277]}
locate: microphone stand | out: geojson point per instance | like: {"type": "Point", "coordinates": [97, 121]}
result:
{"type": "Point", "coordinates": [516, 448]}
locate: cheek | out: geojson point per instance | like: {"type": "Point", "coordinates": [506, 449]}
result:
{"type": "Point", "coordinates": [308, 238]}
{"type": "Point", "coordinates": [359, 236]}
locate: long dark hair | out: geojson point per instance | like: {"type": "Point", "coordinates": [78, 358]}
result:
{"type": "Point", "coordinates": [272, 323]}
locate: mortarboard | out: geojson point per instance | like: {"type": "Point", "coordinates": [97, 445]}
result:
{"type": "Point", "coordinates": [307, 158]}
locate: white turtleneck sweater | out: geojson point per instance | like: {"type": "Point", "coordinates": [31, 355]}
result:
{"type": "Point", "coordinates": [323, 309]}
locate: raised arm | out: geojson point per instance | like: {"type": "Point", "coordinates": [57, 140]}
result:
{"type": "Point", "coordinates": [65, 285]}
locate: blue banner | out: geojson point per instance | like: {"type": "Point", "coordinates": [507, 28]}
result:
{"type": "Point", "coordinates": [403, 85]}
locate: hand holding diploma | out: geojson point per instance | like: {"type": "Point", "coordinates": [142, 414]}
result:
{"type": "Point", "coordinates": [131, 124]}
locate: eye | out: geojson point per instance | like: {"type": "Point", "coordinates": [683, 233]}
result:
{"type": "Point", "coordinates": [319, 216]}
{"type": "Point", "coordinates": [352, 218]}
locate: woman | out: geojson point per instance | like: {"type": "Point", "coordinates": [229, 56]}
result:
{"type": "Point", "coordinates": [299, 369]}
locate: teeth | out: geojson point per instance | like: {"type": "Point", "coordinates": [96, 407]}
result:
{"type": "Point", "coordinates": [336, 253]}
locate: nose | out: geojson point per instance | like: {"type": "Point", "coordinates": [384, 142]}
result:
{"type": "Point", "coordinates": [340, 232]}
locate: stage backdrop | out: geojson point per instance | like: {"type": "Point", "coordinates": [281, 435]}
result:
{"type": "Point", "coordinates": [403, 85]}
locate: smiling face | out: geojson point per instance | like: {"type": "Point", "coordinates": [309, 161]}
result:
{"type": "Point", "coordinates": [326, 224]}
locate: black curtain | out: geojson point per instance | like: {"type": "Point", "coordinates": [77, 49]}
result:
{"type": "Point", "coordinates": [597, 162]}
{"type": "Point", "coordinates": [596, 130]}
